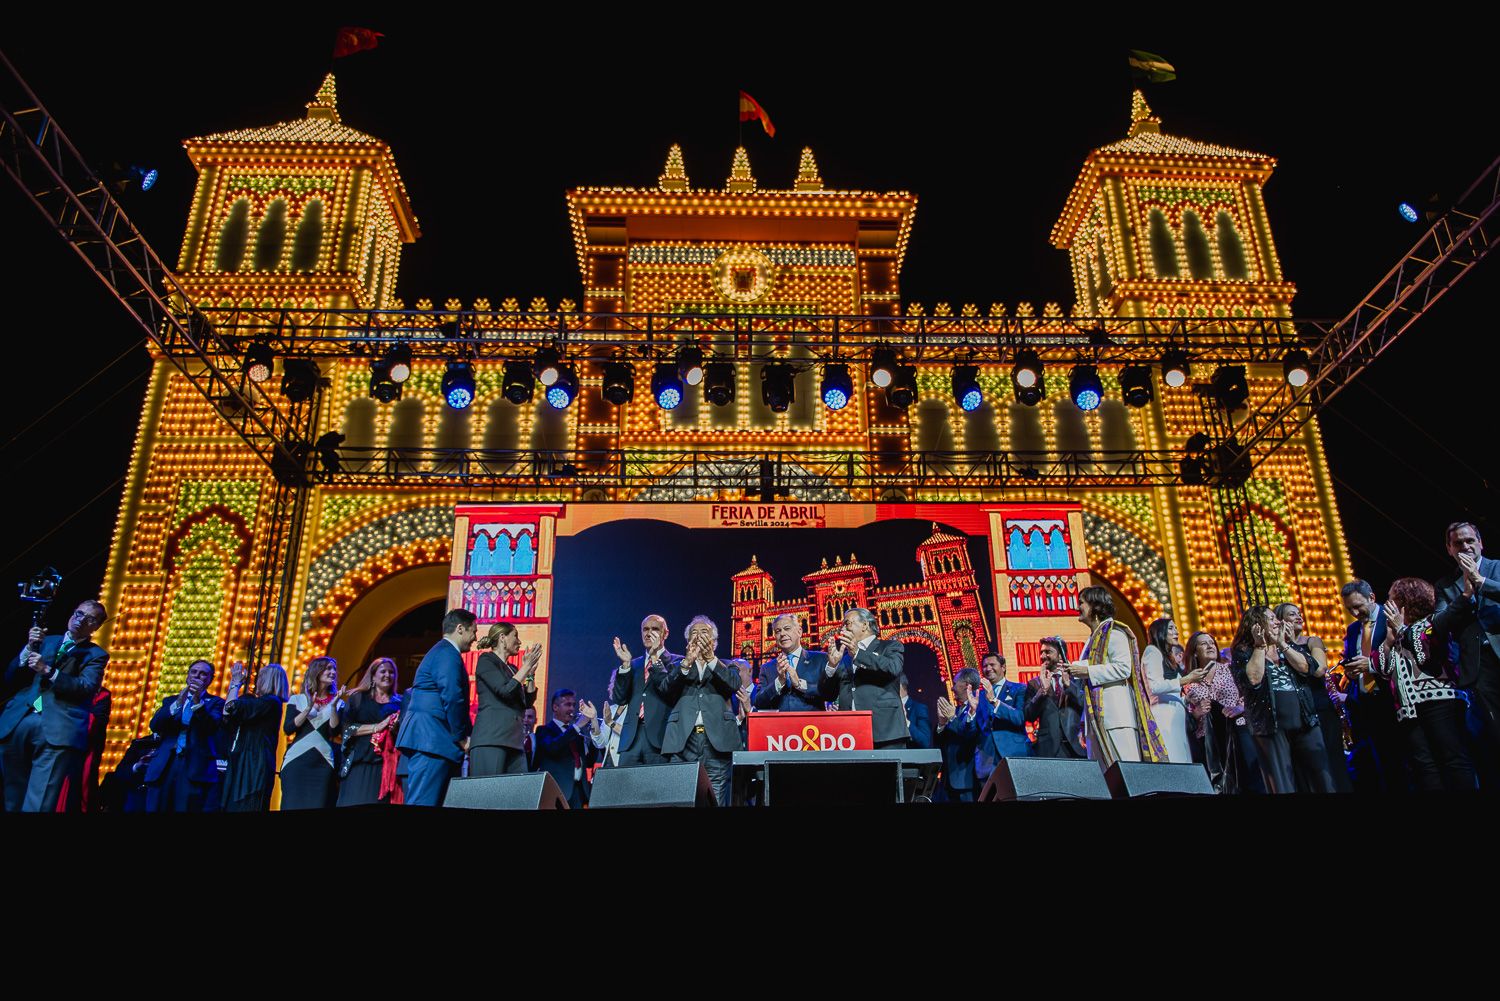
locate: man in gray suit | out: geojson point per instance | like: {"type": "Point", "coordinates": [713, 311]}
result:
{"type": "Point", "coordinates": [44, 728]}
{"type": "Point", "coordinates": [1474, 589]}
{"type": "Point", "coordinates": [701, 725]}
{"type": "Point", "coordinates": [864, 673]}
{"type": "Point", "coordinates": [434, 733]}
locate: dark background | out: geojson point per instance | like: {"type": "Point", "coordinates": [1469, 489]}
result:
{"type": "Point", "coordinates": [985, 119]}
{"type": "Point", "coordinates": [611, 576]}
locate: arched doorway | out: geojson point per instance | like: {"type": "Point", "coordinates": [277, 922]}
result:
{"type": "Point", "coordinates": [392, 619]}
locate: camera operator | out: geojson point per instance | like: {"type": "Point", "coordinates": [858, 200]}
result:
{"type": "Point", "coordinates": [44, 728]}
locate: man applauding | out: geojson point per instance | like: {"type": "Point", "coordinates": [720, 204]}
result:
{"type": "Point", "coordinates": [796, 669]}
{"type": "Point", "coordinates": [864, 673]}
{"type": "Point", "coordinates": [701, 726]}
{"type": "Point", "coordinates": [638, 691]}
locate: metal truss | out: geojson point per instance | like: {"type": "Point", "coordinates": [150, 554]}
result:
{"type": "Point", "coordinates": [806, 474]}
{"type": "Point", "coordinates": [1458, 240]}
{"type": "Point", "coordinates": [82, 209]}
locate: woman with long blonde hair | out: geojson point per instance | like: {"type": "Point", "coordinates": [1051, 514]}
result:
{"type": "Point", "coordinates": [368, 774]}
{"type": "Point", "coordinates": [251, 724]}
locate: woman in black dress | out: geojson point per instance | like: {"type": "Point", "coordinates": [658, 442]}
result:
{"type": "Point", "coordinates": [368, 774]}
{"type": "Point", "coordinates": [312, 721]}
{"type": "Point", "coordinates": [251, 721]}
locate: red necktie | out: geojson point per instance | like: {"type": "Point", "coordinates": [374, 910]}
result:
{"type": "Point", "coordinates": [527, 744]}
{"type": "Point", "coordinates": [1057, 688]}
{"type": "Point", "coordinates": [645, 676]}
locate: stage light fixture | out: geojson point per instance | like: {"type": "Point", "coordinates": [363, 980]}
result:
{"type": "Point", "coordinates": [382, 386]}
{"type": "Point", "coordinates": [545, 365]}
{"type": "Point", "coordinates": [1230, 387]}
{"type": "Point", "coordinates": [690, 365]}
{"type": "Point", "coordinates": [619, 383]}
{"type": "Point", "coordinates": [838, 388]}
{"type": "Point", "coordinates": [1174, 367]}
{"type": "Point", "coordinates": [1297, 367]}
{"type": "Point", "coordinates": [258, 362]}
{"type": "Point", "coordinates": [517, 383]}
{"type": "Point", "coordinates": [1408, 212]}
{"type": "Point", "coordinates": [966, 391]}
{"type": "Point", "coordinates": [902, 392]}
{"type": "Point", "coordinates": [718, 383]}
{"type": "Point", "coordinates": [146, 176]}
{"type": "Point", "coordinates": [1086, 388]}
{"type": "Point", "coordinates": [1135, 385]}
{"type": "Point", "coordinates": [398, 362]}
{"type": "Point", "coordinates": [883, 367]}
{"type": "Point", "coordinates": [777, 388]}
{"type": "Point", "coordinates": [666, 386]}
{"type": "Point", "coordinates": [458, 385]}
{"type": "Point", "coordinates": [299, 379]}
{"type": "Point", "coordinates": [1027, 373]}
{"type": "Point", "coordinates": [563, 388]}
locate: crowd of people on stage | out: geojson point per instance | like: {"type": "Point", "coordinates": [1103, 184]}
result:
{"type": "Point", "coordinates": [1407, 701]}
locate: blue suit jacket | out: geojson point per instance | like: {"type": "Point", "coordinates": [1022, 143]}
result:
{"type": "Point", "coordinates": [1368, 710]}
{"type": "Point", "coordinates": [435, 709]}
{"type": "Point", "coordinates": [959, 743]}
{"type": "Point", "coordinates": [810, 669]}
{"type": "Point", "coordinates": [919, 720]}
{"type": "Point", "coordinates": [1007, 734]}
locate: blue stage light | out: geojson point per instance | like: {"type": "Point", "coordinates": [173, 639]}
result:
{"type": "Point", "coordinates": [1407, 212]}
{"type": "Point", "coordinates": [562, 391]}
{"type": "Point", "coordinates": [666, 386]}
{"type": "Point", "coordinates": [1086, 387]}
{"type": "Point", "coordinates": [458, 385]}
{"type": "Point", "coordinates": [966, 391]}
{"type": "Point", "coordinates": [837, 387]}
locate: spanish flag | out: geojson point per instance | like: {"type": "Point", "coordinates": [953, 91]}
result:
{"type": "Point", "coordinates": [750, 109]}
{"type": "Point", "coordinates": [351, 40]}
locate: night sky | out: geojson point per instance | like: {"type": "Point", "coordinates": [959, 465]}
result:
{"type": "Point", "coordinates": [986, 122]}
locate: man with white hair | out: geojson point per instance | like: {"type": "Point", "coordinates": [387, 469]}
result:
{"type": "Point", "coordinates": [864, 673]}
{"type": "Point", "coordinates": [701, 725]}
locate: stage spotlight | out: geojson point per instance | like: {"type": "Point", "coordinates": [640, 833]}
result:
{"type": "Point", "coordinates": [1174, 367]}
{"type": "Point", "coordinates": [299, 379]}
{"type": "Point", "coordinates": [517, 384]}
{"type": "Point", "coordinates": [1135, 385]}
{"type": "Point", "coordinates": [1198, 443]}
{"type": "Point", "coordinates": [146, 176]}
{"type": "Point", "coordinates": [902, 392]}
{"type": "Point", "coordinates": [258, 362]}
{"type": "Point", "coordinates": [398, 362]}
{"type": "Point", "coordinates": [545, 365]}
{"type": "Point", "coordinates": [966, 391]}
{"type": "Point", "coordinates": [883, 367]}
{"type": "Point", "coordinates": [666, 386]}
{"type": "Point", "coordinates": [458, 385]}
{"type": "Point", "coordinates": [619, 382]}
{"type": "Point", "coordinates": [718, 383]}
{"type": "Point", "coordinates": [838, 388]}
{"type": "Point", "coordinates": [690, 365]}
{"type": "Point", "coordinates": [563, 388]}
{"type": "Point", "coordinates": [1027, 373]}
{"type": "Point", "coordinates": [1230, 387]}
{"type": "Point", "coordinates": [777, 390]}
{"type": "Point", "coordinates": [1407, 212]}
{"type": "Point", "coordinates": [1297, 367]}
{"type": "Point", "coordinates": [1086, 388]}
{"type": "Point", "coordinates": [382, 386]}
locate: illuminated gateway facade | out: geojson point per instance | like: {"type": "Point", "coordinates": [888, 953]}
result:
{"type": "Point", "coordinates": [312, 214]}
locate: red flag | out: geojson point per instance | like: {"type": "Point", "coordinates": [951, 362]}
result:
{"type": "Point", "coordinates": [750, 109]}
{"type": "Point", "coordinates": [351, 40]}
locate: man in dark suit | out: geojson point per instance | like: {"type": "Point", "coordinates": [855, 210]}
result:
{"type": "Point", "coordinates": [124, 789]}
{"type": "Point", "coordinates": [1006, 735]}
{"type": "Point", "coordinates": [701, 725]}
{"type": "Point", "coordinates": [183, 776]}
{"type": "Point", "coordinates": [1055, 703]}
{"type": "Point", "coordinates": [435, 724]}
{"type": "Point", "coordinates": [528, 737]}
{"type": "Point", "coordinates": [864, 673]}
{"type": "Point", "coordinates": [918, 720]}
{"type": "Point", "coordinates": [564, 747]}
{"type": "Point", "coordinates": [44, 727]}
{"type": "Point", "coordinates": [961, 727]}
{"type": "Point", "coordinates": [1378, 761]}
{"type": "Point", "coordinates": [639, 686]}
{"type": "Point", "coordinates": [1474, 588]}
{"type": "Point", "coordinates": [790, 681]}
{"type": "Point", "coordinates": [497, 745]}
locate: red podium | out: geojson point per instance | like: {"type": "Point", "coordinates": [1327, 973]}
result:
{"type": "Point", "coordinates": [833, 731]}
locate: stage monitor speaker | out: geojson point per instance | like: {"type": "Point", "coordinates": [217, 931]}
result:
{"type": "Point", "coordinates": [684, 783]}
{"type": "Point", "coordinates": [532, 791]}
{"type": "Point", "coordinates": [1131, 779]}
{"type": "Point", "coordinates": [1044, 778]}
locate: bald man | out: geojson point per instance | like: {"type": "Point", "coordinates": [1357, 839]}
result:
{"type": "Point", "coordinates": [639, 687]}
